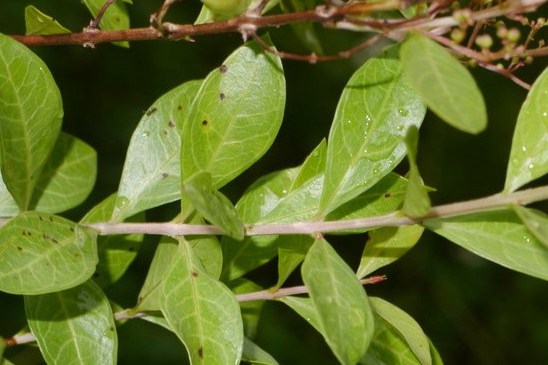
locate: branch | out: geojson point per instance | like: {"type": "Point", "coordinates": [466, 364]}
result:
{"type": "Point", "coordinates": [338, 17]}
{"type": "Point", "coordinates": [126, 314]}
{"type": "Point", "coordinates": [496, 201]}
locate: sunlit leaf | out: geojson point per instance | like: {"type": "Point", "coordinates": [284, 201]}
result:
{"type": "Point", "coordinates": [536, 221]}
{"type": "Point", "coordinates": [30, 118]}
{"type": "Point", "coordinates": [499, 236]}
{"type": "Point", "coordinates": [345, 317]}
{"type": "Point", "coordinates": [37, 22]}
{"type": "Point", "coordinates": [42, 253]}
{"type": "Point", "coordinates": [366, 140]}
{"type": "Point", "coordinates": [235, 116]}
{"type": "Point", "coordinates": [74, 326]}
{"type": "Point", "coordinates": [529, 153]}
{"type": "Point", "coordinates": [116, 252]}
{"type": "Point", "coordinates": [417, 202]}
{"type": "Point", "coordinates": [151, 175]}
{"type": "Point", "coordinates": [406, 327]}
{"type": "Point", "coordinates": [213, 205]}
{"type": "Point", "coordinates": [115, 17]}
{"type": "Point", "coordinates": [201, 311]}
{"type": "Point", "coordinates": [444, 84]}
{"type": "Point", "coordinates": [386, 245]}
{"type": "Point", "coordinates": [253, 354]}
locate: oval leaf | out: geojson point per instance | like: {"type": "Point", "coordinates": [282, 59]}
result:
{"type": "Point", "coordinates": [366, 139]}
{"type": "Point", "coordinates": [417, 201]}
{"type": "Point", "coordinates": [235, 116]}
{"type": "Point", "coordinates": [499, 236]}
{"type": "Point", "coordinates": [529, 153]}
{"type": "Point", "coordinates": [344, 314]}
{"type": "Point", "coordinates": [386, 245]}
{"type": "Point", "coordinates": [30, 118]}
{"type": "Point", "coordinates": [74, 326]}
{"type": "Point", "coordinates": [42, 253]}
{"type": "Point", "coordinates": [406, 327]}
{"type": "Point", "coordinates": [536, 221]}
{"type": "Point", "coordinates": [152, 170]}
{"type": "Point", "coordinates": [444, 84]}
{"type": "Point", "coordinates": [201, 311]}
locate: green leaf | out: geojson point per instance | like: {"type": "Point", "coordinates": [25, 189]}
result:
{"type": "Point", "coordinates": [366, 138]}
{"type": "Point", "coordinates": [291, 252]}
{"type": "Point", "coordinates": [499, 236]}
{"type": "Point", "coordinates": [251, 310]}
{"type": "Point", "coordinates": [30, 118]}
{"type": "Point", "coordinates": [436, 358]}
{"type": "Point", "coordinates": [74, 326]}
{"type": "Point", "coordinates": [386, 245]}
{"type": "Point", "coordinates": [68, 176]}
{"type": "Point", "coordinates": [207, 248]}
{"type": "Point", "coordinates": [535, 221]}
{"type": "Point", "coordinates": [406, 327]}
{"type": "Point", "coordinates": [235, 116]}
{"type": "Point", "coordinates": [304, 31]}
{"type": "Point", "coordinates": [313, 165]}
{"type": "Point", "coordinates": [388, 347]}
{"type": "Point", "coordinates": [253, 354]}
{"type": "Point", "coordinates": [151, 294]}
{"type": "Point", "coordinates": [529, 153]}
{"type": "Point", "coordinates": [42, 253]}
{"type": "Point", "coordinates": [306, 308]}
{"type": "Point", "coordinates": [383, 198]}
{"type": "Point", "coordinates": [444, 84]}
{"type": "Point", "coordinates": [8, 206]}
{"type": "Point", "coordinates": [345, 317]}
{"type": "Point", "coordinates": [115, 252]}
{"type": "Point", "coordinates": [37, 22]}
{"type": "Point", "coordinates": [417, 202]}
{"type": "Point", "coordinates": [213, 205]}
{"type": "Point", "coordinates": [115, 17]}
{"type": "Point", "coordinates": [201, 310]}
{"type": "Point", "coordinates": [151, 174]}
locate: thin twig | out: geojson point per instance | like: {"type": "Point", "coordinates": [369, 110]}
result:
{"type": "Point", "coordinates": [126, 314]}
{"type": "Point", "coordinates": [94, 24]}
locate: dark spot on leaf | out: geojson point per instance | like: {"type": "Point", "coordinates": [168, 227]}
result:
{"type": "Point", "coordinates": [24, 233]}
{"type": "Point", "coordinates": [165, 132]}
{"type": "Point", "coordinates": [40, 217]}
{"type": "Point", "coordinates": [387, 195]}
{"type": "Point", "coordinates": [179, 107]}
{"type": "Point", "coordinates": [165, 175]}
{"type": "Point", "coordinates": [151, 111]}
{"type": "Point", "coordinates": [111, 329]}
{"type": "Point", "coordinates": [194, 274]}
{"type": "Point", "coordinates": [204, 122]}
{"type": "Point", "coordinates": [50, 219]}
{"type": "Point", "coordinates": [223, 69]}
{"type": "Point", "coordinates": [171, 124]}
{"type": "Point", "coordinates": [54, 240]}
{"type": "Point", "coordinates": [222, 96]}
{"type": "Point", "coordinates": [201, 352]}
{"type": "Point", "coordinates": [71, 229]}
{"type": "Point", "coordinates": [117, 20]}
{"type": "Point", "coordinates": [20, 248]}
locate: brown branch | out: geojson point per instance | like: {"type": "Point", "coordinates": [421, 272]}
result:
{"type": "Point", "coordinates": [339, 17]}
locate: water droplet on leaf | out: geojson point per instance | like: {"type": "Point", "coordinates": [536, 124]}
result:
{"type": "Point", "coordinates": [403, 112]}
{"type": "Point", "coordinates": [122, 202]}
{"type": "Point", "coordinates": [146, 133]}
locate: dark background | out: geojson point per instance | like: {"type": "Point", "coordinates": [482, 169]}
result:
{"type": "Point", "coordinates": [474, 311]}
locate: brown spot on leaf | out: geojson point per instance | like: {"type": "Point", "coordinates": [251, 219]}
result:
{"type": "Point", "coordinates": [387, 195]}
{"type": "Point", "coordinates": [204, 122]}
{"type": "Point", "coordinates": [54, 240]}
{"type": "Point", "coordinates": [222, 96]}
{"type": "Point", "coordinates": [179, 107]}
{"type": "Point", "coordinates": [223, 69]}
{"type": "Point", "coordinates": [151, 111]}
{"type": "Point", "coordinates": [19, 248]}
{"type": "Point", "coordinates": [165, 175]}
{"type": "Point", "coordinates": [171, 124]}
{"type": "Point", "coordinates": [194, 274]}
{"type": "Point", "coordinates": [201, 352]}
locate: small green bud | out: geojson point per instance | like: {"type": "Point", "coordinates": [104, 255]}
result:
{"type": "Point", "coordinates": [463, 16]}
{"type": "Point", "coordinates": [484, 41]}
{"type": "Point", "coordinates": [502, 32]}
{"type": "Point", "coordinates": [457, 35]}
{"type": "Point", "coordinates": [513, 35]}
